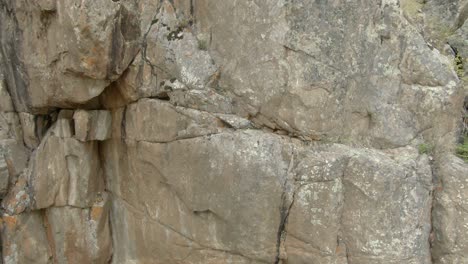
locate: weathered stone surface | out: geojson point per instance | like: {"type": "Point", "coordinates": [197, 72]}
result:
{"type": "Point", "coordinates": [158, 121]}
{"type": "Point", "coordinates": [24, 239]}
{"type": "Point", "coordinates": [80, 235]}
{"type": "Point", "coordinates": [16, 156]}
{"type": "Point", "coordinates": [18, 199]}
{"type": "Point", "coordinates": [10, 127]}
{"type": "Point", "coordinates": [92, 125]}
{"type": "Point", "coordinates": [6, 105]}
{"type": "Point", "coordinates": [386, 216]}
{"type": "Point", "coordinates": [309, 198]}
{"type": "Point", "coordinates": [275, 131]}
{"type": "Point", "coordinates": [28, 123]}
{"type": "Point", "coordinates": [239, 215]}
{"type": "Point", "coordinates": [450, 214]}
{"type": "Point", "coordinates": [65, 172]}
{"type": "Point", "coordinates": [4, 177]}
{"type": "Point", "coordinates": [78, 49]}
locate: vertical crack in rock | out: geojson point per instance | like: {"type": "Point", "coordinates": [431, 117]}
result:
{"type": "Point", "coordinates": [123, 131]}
{"type": "Point", "coordinates": [340, 239]}
{"type": "Point", "coordinates": [144, 44]}
{"type": "Point", "coordinates": [50, 237]}
{"type": "Point", "coordinates": [287, 201]}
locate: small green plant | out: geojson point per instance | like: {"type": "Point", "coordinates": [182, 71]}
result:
{"type": "Point", "coordinates": [458, 65]}
{"type": "Point", "coordinates": [462, 149]}
{"type": "Point", "coordinates": [185, 22]}
{"type": "Point", "coordinates": [425, 148]}
{"type": "Point", "coordinates": [202, 44]}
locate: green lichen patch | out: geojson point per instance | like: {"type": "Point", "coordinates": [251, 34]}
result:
{"type": "Point", "coordinates": [462, 149]}
{"type": "Point", "coordinates": [425, 148]}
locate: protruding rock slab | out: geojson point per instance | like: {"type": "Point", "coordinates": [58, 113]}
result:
{"type": "Point", "coordinates": [92, 124]}
{"type": "Point", "coordinates": [64, 53]}
{"type": "Point", "coordinates": [65, 172]}
{"type": "Point", "coordinates": [159, 121]}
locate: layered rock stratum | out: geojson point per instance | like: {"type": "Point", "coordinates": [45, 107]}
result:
{"type": "Point", "coordinates": [240, 132]}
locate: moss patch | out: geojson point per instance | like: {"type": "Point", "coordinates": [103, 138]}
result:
{"type": "Point", "coordinates": [458, 65]}
{"type": "Point", "coordinates": [462, 149]}
{"type": "Point", "coordinates": [425, 148]}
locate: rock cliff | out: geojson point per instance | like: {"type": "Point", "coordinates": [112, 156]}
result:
{"type": "Point", "coordinates": [242, 132]}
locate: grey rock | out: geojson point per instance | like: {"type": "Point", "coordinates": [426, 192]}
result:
{"type": "Point", "coordinates": [28, 124]}
{"type": "Point", "coordinates": [449, 216]}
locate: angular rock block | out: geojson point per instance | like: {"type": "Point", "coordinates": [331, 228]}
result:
{"type": "Point", "coordinates": [80, 235]}
{"type": "Point", "coordinates": [68, 235]}
{"type": "Point", "coordinates": [158, 121]}
{"type": "Point", "coordinates": [65, 171]}
{"type": "Point", "coordinates": [92, 125]}
{"type": "Point", "coordinates": [28, 124]}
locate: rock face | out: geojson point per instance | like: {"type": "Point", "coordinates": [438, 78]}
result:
{"type": "Point", "coordinates": [211, 131]}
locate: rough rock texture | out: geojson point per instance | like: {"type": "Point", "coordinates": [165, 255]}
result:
{"type": "Point", "coordinates": [275, 131]}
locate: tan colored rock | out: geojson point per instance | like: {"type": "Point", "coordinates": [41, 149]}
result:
{"type": "Point", "coordinates": [78, 49]}
{"type": "Point", "coordinates": [305, 199]}
{"type": "Point", "coordinates": [65, 172]}
{"type": "Point", "coordinates": [239, 215]}
{"type": "Point", "coordinates": [159, 121]}
{"type": "Point", "coordinates": [24, 239]}
{"type": "Point", "coordinates": [92, 125]}
{"type": "Point", "coordinates": [387, 206]}
{"type": "Point", "coordinates": [209, 120]}
{"type": "Point", "coordinates": [80, 235]}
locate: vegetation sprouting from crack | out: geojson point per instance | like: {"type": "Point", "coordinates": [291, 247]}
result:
{"type": "Point", "coordinates": [462, 148]}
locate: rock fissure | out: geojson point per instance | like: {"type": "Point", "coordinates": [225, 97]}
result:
{"type": "Point", "coordinates": [207, 132]}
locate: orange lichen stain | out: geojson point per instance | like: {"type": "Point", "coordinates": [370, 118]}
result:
{"type": "Point", "coordinates": [89, 62]}
{"type": "Point", "coordinates": [96, 213]}
{"type": "Point", "coordinates": [338, 250]}
{"type": "Point", "coordinates": [10, 221]}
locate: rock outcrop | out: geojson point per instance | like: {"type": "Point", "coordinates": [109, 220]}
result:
{"type": "Point", "coordinates": [210, 131]}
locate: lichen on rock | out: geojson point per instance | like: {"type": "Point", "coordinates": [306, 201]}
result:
{"type": "Point", "coordinates": [198, 132]}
